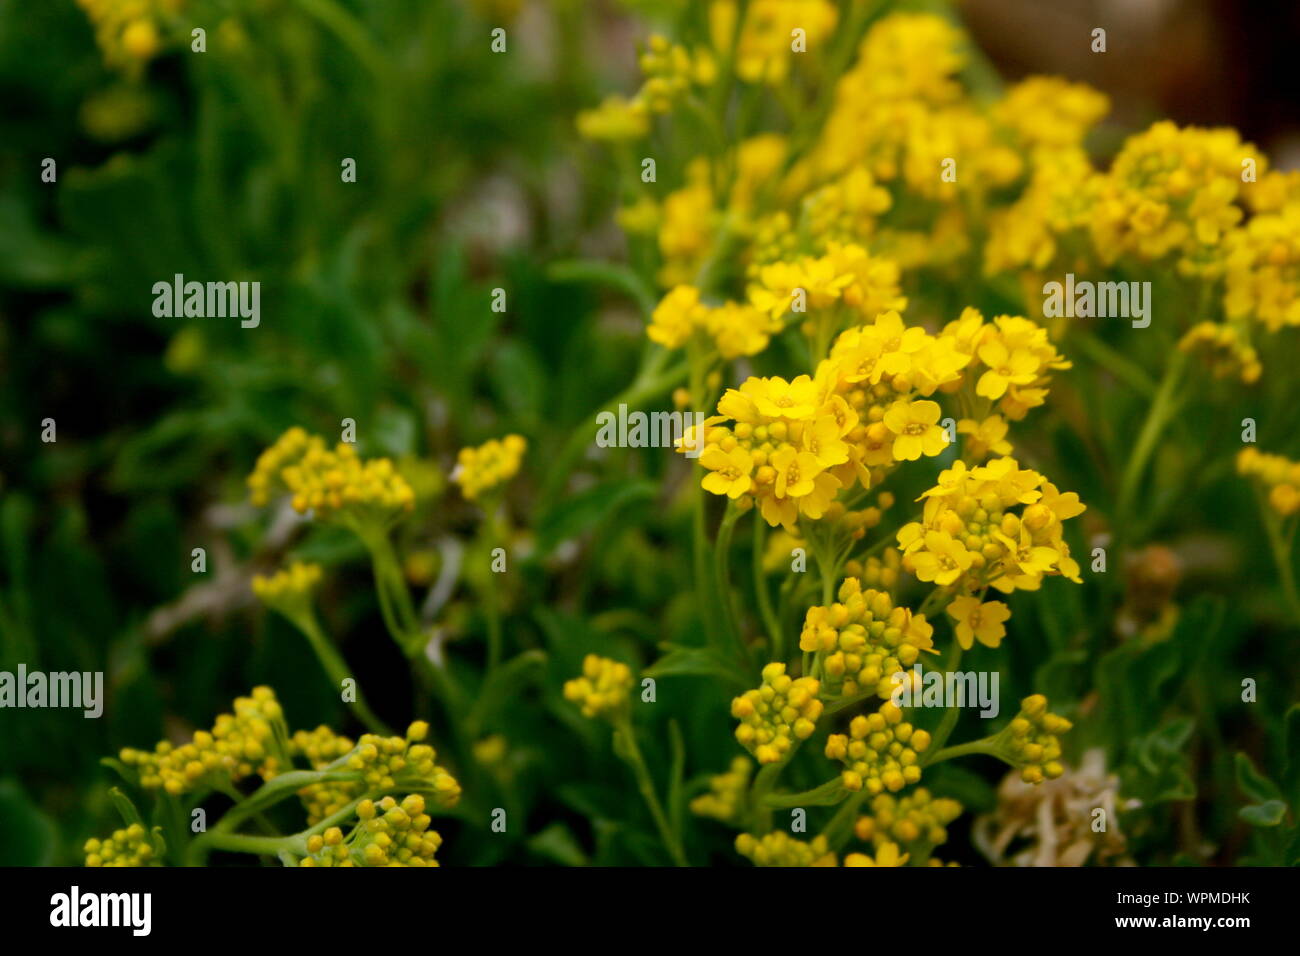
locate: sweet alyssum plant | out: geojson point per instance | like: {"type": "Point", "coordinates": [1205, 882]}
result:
{"type": "Point", "coordinates": [841, 195]}
{"type": "Point", "coordinates": [363, 802]}
{"type": "Point", "coordinates": [810, 225]}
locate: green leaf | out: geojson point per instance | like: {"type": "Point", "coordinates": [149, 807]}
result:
{"type": "Point", "coordinates": [27, 836]}
{"type": "Point", "coordinates": [557, 843]}
{"type": "Point", "coordinates": [1160, 770]}
{"type": "Point", "coordinates": [1291, 747]}
{"type": "Point", "coordinates": [582, 512]}
{"type": "Point", "coordinates": [504, 683]}
{"type": "Point", "coordinates": [698, 662]}
{"type": "Point", "coordinates": [1253, 783]}
{"type": "Point", "coordinates": [1267, 814]}
{"type": "Point", "coordinates": [827, 795]}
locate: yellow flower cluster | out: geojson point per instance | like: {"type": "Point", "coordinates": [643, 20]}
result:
{"type": "Point", "coordinates": [289, 589]}
{"type": "Point", "coordinates": [795, 444]}
{"type": "Point", "coordinates": [863, 640]}
{"type": "Point", "coordinates": [1262, 267]}
{"type": "Point", "coordinates": [1016, 356]}
{"type": "Point", "coordinates": [866, 284]}
{"type": "Point", "coordinates": [616, 119]}
{"type": "Point", "coordinates": [780, 448]}
{"type": "Point", "coordinates": [384, 763]}
{"type": "Point", "coordinates": [775, 714]}
{"type": "Point", "coordinates": [880, 572]}
{"type": "Point", "coordinates": [1281, 476]}
{"type": "Point", "coordinates": [322, 747]}
{"type": "Point", "coordinates": [1031, 741]}
{"type": "Point", "coordinates": [880, 752]}
{"type": "Point", "coordinates": [490, 464]}
{"type": "Point", "coordinates": [1225, 350]}
{"type": "Point", "coordinates": [733, 328]}
{"type": "Point", "coordinates": [387, 834]}
{"type": "Point", "coordinates": [984, 438]}
{"type": "Point", "coordinates": [387, 763]}
{"type": "Point", "coordinates": [763, 51]}
{"type": "Point", "coordinates": [725, 800]}
{"type": "Point", "coordinates": [779, 848]}
{"type": "Point", "coordinates": [130, 846]}
{"type": "Point", "coordinates": [670, 71]}
{"type": "Point", "coordinates": [127, 31]}
{"type": "Point", "coordinates": [970, 538]}
{"type": "Point", "coordinates": [1053, 209]}
{"type": "Point", "coordinates": [602, 690]}
{"type": "Point", "coordinates": [917, 818]}
{"type": "Point", "coordinates": [887, 854]}
{"type": "Point", "coordinates": [252, 740]}
{"type": "Point", "coordinates": [1170, 191]}
{"type": "Point", "coordinates": [1050, 111]}
{"type": "Point", "coordinates": [327, 482]}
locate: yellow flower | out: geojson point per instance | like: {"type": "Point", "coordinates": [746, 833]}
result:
{"type": "Point", "coordinates": [986, 437]}
{"type": "Point", "coordinates": [288, 590]}
{"type": "Point", "coordinates": [129, 846]}
{"type": "Point", "coordinates": [329, 483]}
{"type": "Point", "coordinates": [725, 800]}
{"type": "Point", "coordinates": [490, 464]}
{"type": "Point", "coordinates": [863, 640]}
{"type": "Point", "coordinates": [387, 834]}
{"type": "Point", "coordinates": [1031, 742]}
{"type": "Point", "coordinates": [943, 561]}
{"type": "Point", "coordinates": [1279, 475]}
{"type": "Point", "coordinates": [975, 621]}
{"type": "Point", "coordinates": [914, 424]}
{"type": "Point", "coordinates": [886, 855]}
{"type": "Point", "coordinates": [776, 714]}
{"type": "Point", "coordinates": [880, 752]}
{"type": "Point", "coordinates": [777, 398]}
{"type": "Point", "coordinates": [249, 741]}
{"type": "Point", "coordinates": [1006, 367]}
{"type": "Point", "coordinates": [1050, 111]}
{"type": "Point", "coordinates": [795, 471]}
{"type": "Point", "coordinates": [729, 472]}
{"type": "Point", "coordinates": [778, 848]}
{"type": "Point", "coordinates": [917, 818]}
{"type": "Point", "coordinates": [615, 120]}
{"type": "Point", "coordinates": [676, 317]}
{"type": "Point", "coordinates": [602, 690]}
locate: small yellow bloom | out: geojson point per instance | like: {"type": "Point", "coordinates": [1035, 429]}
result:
{"type": "Point", "coordinates": [602, 690]}
{"type": "Point", "coordinates": [490, 464]}
{"type": "Point", "coordinates": [976, 621]}
{"type": "Point", "coordinates": [886, 855]}
{"type": "Point", "coordinates": [916, 428]}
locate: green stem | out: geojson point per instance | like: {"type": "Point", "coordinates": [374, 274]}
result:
{"type": "Point", "coordinates": [631, 753]}
{"type": "Point", "coordinates": [349, 31]}
{"type": "Point", "coordinates": [776, 636]}
{"type": "Point", "coordinates": [983, 746]}
{"type": "Point", "coordinates": [1162, 409]}
{"type": "Point", "coordinates": [722, 575]}
{"type": "Point", "coordinates": [337, 670]}
{"type": "Point", "coordinates": [1280, 547]}
{"type": "Point", "coordinates": [837, 832]}
{"type": "Point", "coordinates": [951, 715]}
